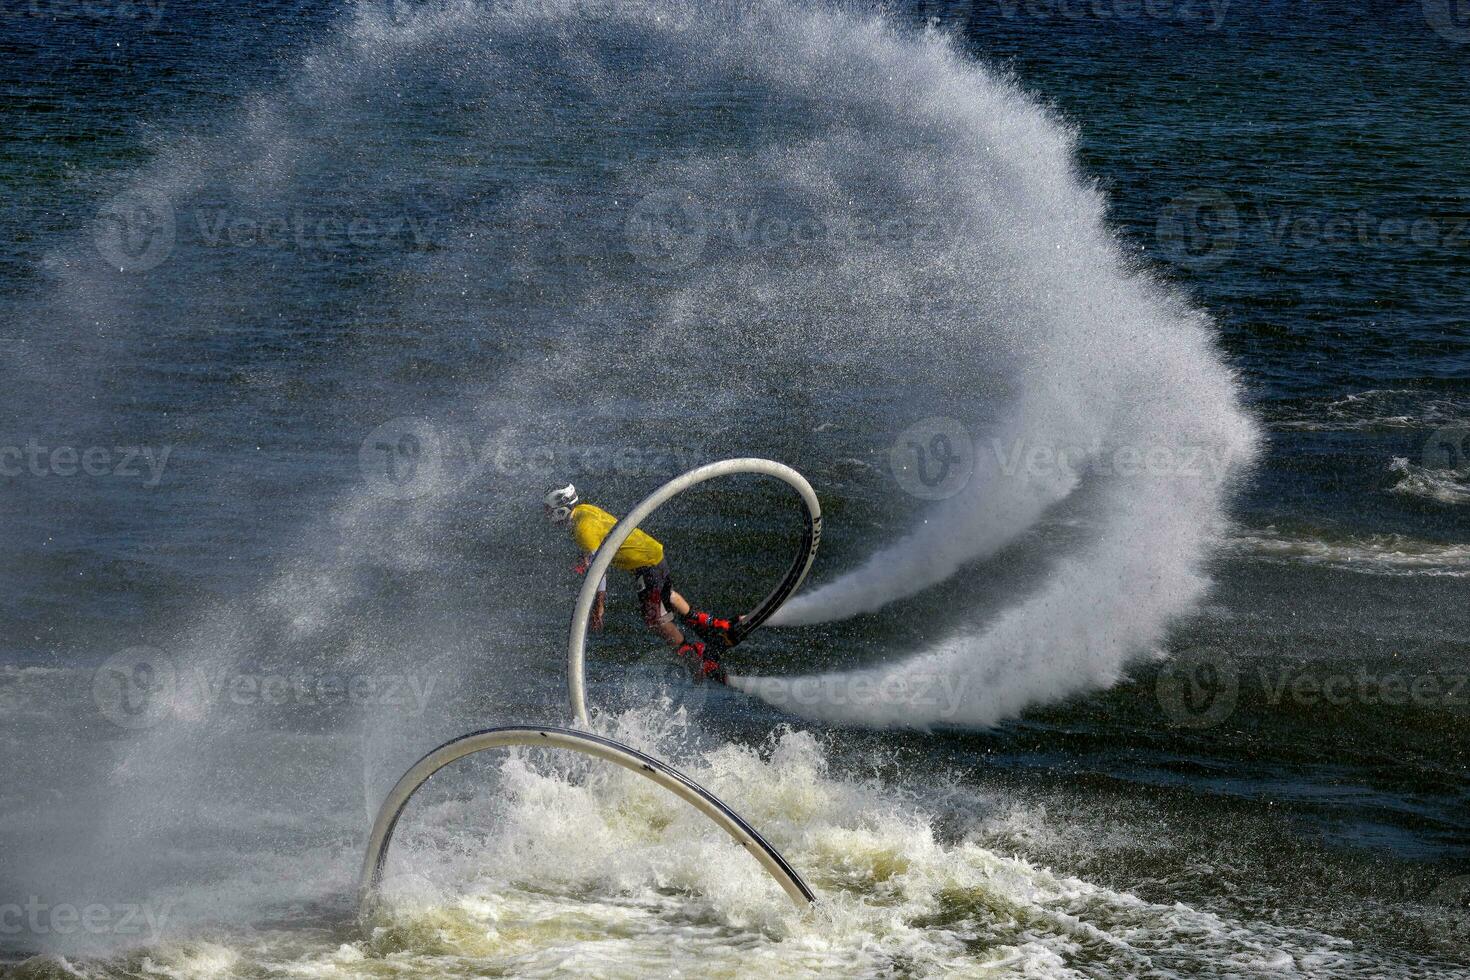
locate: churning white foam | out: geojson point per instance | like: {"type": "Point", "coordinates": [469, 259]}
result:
{"type": "Point", "coordinates": [540, 864]}
{"type": "Point", "coordinates": [1369, 554]}
{"type": "Point", "coordinates": [1445, 485]}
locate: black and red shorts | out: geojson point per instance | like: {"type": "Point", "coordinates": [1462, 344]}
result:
{"type": "Point", "coordinates": [654, 588]}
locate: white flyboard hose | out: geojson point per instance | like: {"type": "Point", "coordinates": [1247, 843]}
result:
{"type": "Point", "coordinates": [790, 582]}
{"type": "Point", "coordinates": [600, 746]}
{"type": "Point", "coordinates": [597, 746]}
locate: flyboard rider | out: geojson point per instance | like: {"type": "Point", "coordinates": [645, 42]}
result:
{"type": "Point", "coordinates": [642, 556]}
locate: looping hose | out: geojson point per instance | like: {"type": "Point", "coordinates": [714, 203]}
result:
{"type": "Point", "coordinates": [789, 583]}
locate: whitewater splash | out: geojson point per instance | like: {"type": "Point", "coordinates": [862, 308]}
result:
{"type": "Point", "coordinates": [716, 226]}
{"type": "Point", "coordinates": [483, 881]}
{"type": "Point", "coordinates": [897, 231]}
{"type": "Point", "coordinates": [894, 893]}
{"type": "Point", "coordinates": [1109, 367]}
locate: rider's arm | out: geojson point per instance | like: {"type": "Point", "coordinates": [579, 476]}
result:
{"type": "Point", "coordinates": [599, 605]}
{"type": "Point", "coordinates": [599, 609]}
{"type": "Point", "coordinates": [581, 569]}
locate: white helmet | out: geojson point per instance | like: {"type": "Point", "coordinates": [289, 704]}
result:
{"type": "Point", "coordinates": [559, 503]}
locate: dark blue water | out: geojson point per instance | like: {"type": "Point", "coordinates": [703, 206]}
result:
{"type": "Point", "coordinates": [1297, 171]}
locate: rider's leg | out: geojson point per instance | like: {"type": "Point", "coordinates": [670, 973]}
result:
{"type": "Point", "coordinates": [671, 634]}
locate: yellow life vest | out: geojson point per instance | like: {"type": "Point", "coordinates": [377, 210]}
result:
{"type": "Point", "coordinates": [590, 526]}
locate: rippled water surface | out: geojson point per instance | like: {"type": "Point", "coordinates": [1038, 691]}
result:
{"type": "Point", "coordinates": [303, 306]}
